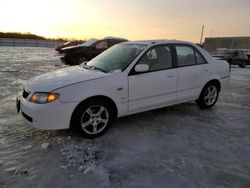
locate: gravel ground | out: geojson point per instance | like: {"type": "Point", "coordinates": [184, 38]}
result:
{"type": "Point", "coordinates": [177, 147]}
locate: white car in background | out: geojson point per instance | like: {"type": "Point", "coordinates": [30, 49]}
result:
{"type": "Point", "coordinates": [128, 78]}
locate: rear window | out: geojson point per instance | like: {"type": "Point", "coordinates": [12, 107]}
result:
{"type": "Point", "coordinates": [185, 55]}
{"type": "Point", "coordinates": [188, 55]}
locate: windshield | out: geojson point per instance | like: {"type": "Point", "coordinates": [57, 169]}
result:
{"type": "Point", "coordinates": [88, 43]}
{"type": "Point", "coordinates": [116, 58]}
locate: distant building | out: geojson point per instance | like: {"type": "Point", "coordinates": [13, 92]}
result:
{"type": "Point", "coordinates": [211, 44]}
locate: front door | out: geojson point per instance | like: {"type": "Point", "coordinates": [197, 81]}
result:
{"type": "Point", "coordinates": [155, 87]}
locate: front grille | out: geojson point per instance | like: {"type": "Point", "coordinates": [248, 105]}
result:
{"type": "Point", "coordinates": [25, 93]}
{"type": "Point", "coordinates": [27, 117]}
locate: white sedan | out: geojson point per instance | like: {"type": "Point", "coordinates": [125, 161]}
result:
{"type": "Point", "coordinates": [128, 78]}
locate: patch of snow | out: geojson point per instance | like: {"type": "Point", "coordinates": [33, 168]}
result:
{"type": "Point", "coordinates": [88, 169]}
{"type": "Point", "coordinates": [64, 167]}
{"type": "Point", "coordinates": [81, 156]}
{"type": "Point", "coordinates": [81, 168]}
{"type": "Point", "coordinates": [72, 162]}
{"type": "Point", "coordinates": [59, 140]}
{"type": "Point", "coordinates": [45, 145]}
{"type": "Point", "coordinates": [11, 170]}
{"type": "Point", "coordinates": [28, 147]}
{"type": "Point", "coordinates": [18, 82]}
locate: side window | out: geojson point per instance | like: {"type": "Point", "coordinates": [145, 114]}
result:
{"type": "Point", "coordinates": [185, 56]}
{"type": "Point", "coordinates": [158, 58]}
{"type": "Point", "coordinates": [102, 45]}
{"type": "Point", "coordinates": [199, 58]}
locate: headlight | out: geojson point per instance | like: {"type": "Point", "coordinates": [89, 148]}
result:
{"type": "Point", "coordinates": [42, 98]}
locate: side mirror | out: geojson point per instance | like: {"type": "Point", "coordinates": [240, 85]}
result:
{"type": "Point", "coordinates": [141, 68]}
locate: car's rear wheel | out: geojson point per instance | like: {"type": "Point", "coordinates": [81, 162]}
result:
{"type": "Point", "coordinates": [243, 65]}
{"type": "Point", "coordinates": [93, 118]}
{"type": "Point", "coordinates": [208, 96]}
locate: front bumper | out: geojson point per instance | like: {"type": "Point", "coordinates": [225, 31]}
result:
{"type": "Point", "coordinates": [63, 60]}
{"type": "Point", "coordinates": [50, 116]}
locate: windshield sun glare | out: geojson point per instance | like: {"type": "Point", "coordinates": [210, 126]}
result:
{"type": "Point", "coordinates": [117, 57]}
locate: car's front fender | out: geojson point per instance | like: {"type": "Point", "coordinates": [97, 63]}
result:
{"type": "Point", "coordinates": [113, 87]}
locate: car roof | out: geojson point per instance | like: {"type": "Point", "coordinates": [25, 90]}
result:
{"type": "Point", "coordinates": [114, 38]}
{"type": "Point", "coordinates": [158, 42]}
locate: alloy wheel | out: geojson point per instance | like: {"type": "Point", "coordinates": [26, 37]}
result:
{"type": "Point", "coordinates": [210, 95]}
{"type": "Point", "coordinates": [94, 119]}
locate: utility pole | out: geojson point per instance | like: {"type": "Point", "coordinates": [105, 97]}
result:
{"type": "Point", "coordinates": [202, 31]}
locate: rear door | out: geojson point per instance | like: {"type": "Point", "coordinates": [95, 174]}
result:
{"type": "Point", "coordinates": [157, 86]}
{"type": "Point", "coordinates": [193, 72]}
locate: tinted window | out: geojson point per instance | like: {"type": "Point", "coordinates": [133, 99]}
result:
{"type": "Point", "coordinates": [185, 56]}
{"type": "Point", "coordinates": [102, 45]}
{"type": "Point", "coordinates": [114, 42]}
{"type": "Point", "coordinates": [157, 58]}
{"type": "Point", "coordinates": [225, 52]}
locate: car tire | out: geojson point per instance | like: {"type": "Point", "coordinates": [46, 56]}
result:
{"type": "Point", "coordinates": [77, 59]}
{"type": "Point", "coordinates": [208, 96]}
{"type": "Point", "coordinates": [92, 118]}
{"type": "Point", "coordinates": [63, 60]}
{"type": "Point", "coordinates": [243, 65]}
{"type": "Point", "coordinates": [82, 59]}
{"type": "Point", "coordinates": [66, 59]}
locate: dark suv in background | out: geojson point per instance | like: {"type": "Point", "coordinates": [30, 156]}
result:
{"type": "Point", "coordinates": [67, 44]}
{"type": "Point", "coordinates": [233, 57]}
{"type": "Point", "coordinates": [75, 55]}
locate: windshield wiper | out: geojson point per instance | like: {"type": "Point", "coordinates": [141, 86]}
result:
{"type": "Point", "coordinates": [97, 68]}
{"type": "Point", "coordinates": [93, 67]}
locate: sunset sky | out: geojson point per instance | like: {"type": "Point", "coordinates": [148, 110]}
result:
{"type": "Point", "coordinates": [132, 19]}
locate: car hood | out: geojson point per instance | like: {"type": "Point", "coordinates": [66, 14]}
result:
{"type": "Point", "coordinates": [61, 78]}
{"type": "Point", "coordinates": [69, 49]}
{"type": "Point", "coordinates": [220, 56]}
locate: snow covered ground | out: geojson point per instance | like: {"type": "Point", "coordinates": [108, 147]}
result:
{"type": "Point", "coordinates": [178, 146]}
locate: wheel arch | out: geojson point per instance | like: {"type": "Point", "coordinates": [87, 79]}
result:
{"type": "Point", "coordinates": [97, 97]}
{"type": "Point", "coordinates": [200, 101]}
{"type": "Point", "coordinates": [214, 81]}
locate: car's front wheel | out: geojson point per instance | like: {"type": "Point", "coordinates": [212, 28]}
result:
{"type": "Point", "coordinates": [208, 96]}
{"type": "Point", "coordinates": [93, 118]}
{"type": "Point", "coordinates": [79, 59]}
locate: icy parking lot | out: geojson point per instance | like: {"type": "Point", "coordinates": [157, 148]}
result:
{"type": "Point", "coordinates": [177, 147]}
